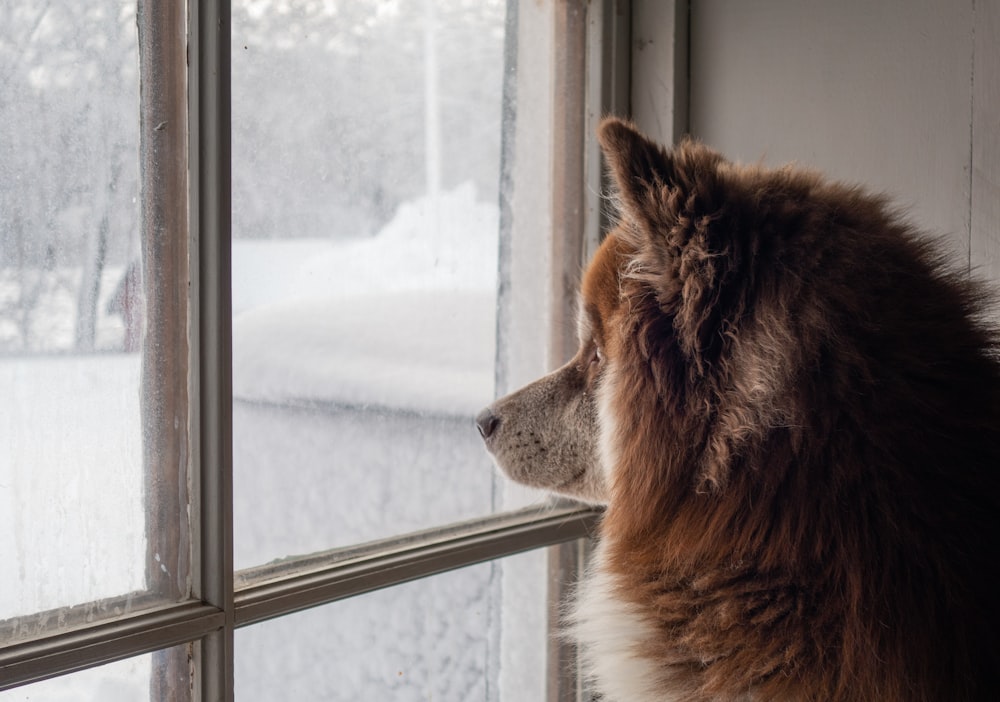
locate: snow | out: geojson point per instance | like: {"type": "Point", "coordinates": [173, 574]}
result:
{"type": "Point", "coordinates": [57, 455]}
{"type": "Point", "coordinates": [405, 319]}
{"type": "Point", "coordinates": [364, 370]}
{"type": "Point", "coordinates": [424, 351]}
{"type": "Point", "coordinates": [122, 681]}
{"type": "Point", "coordinates": [355, 385]}
{"type": "Point", "coordinates": [358, 366]}
{"type": "Point", "coordinates": [256, 261]}
{"type": "Point", "coordinates": [442, 654]}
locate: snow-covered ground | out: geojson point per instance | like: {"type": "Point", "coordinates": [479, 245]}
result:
{"type": "Point", "coordinates": [69, 456]}
{"type": "Point", "coordinates": [402, 320]}
{"type": "Point", "coordinates": [357, 369]}
{"type": "Point", "coordinates": [356, 382]}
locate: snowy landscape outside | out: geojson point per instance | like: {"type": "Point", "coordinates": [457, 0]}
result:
{"type": "Point", "coordinates": [366, 141]}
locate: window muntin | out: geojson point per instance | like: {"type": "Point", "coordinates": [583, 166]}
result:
{"type": "Point", "coordinates": [132, 679]}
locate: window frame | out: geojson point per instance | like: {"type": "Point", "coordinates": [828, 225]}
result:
{"type": "Point", "coordinates": [590, 76]}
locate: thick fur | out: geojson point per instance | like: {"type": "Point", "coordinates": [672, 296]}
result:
{"type": "Point", "coordinates": [791, 407]}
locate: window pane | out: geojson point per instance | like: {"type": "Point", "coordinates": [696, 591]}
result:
{"type": "Point", "coordinates": [473, 634]}
{"type": "Point", "coordinates": [72, 519]}
{"type": "Point", "coordinates": [71, 449]}
{"type": "Point", "coordinates": [154, 676]}
{"type": "Point", "coordinates": [365, 187]}
{"type": "Point", "coordinates": [80, 516]}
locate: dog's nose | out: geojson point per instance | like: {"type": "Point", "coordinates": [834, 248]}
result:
{"type": "Point", "coordinates": [487, 423]}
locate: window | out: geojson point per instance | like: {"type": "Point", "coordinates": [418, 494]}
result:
{"type": "Point", "coordinates": [187, 472]}
{"type": "Point", "coordinates": [90, 412]}
{"type": "Point", "coordinates": [364, 268]}
{"type": "Point", "coordinates": [127, 161]}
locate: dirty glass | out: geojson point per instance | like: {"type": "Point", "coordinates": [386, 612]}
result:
{"type": "Point", "coordinates": [130, 680]}
{"type": "Point", "coordinates": [439, 638]}
{"type": "Point", "coordinates": [366, 164]}
{"type": "Point", "coordinates": [79, 521]}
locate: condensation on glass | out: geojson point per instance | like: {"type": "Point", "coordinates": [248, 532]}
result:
{"type": "Point", "coordinates": [366, 164]}
{"type": "Point", "coordinates": [93, 316]}
{"type": "Point", "coordinates": [438, 638]}
{"type": "Point", "coordinates": [129, 680]}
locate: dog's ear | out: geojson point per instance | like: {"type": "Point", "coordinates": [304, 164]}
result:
{"type": "Point", "coordinates": [670, 202]}
{"type": "Point", "coordinates": [656, 186]}
{"type": "Point", "coordinates": [642, 171]}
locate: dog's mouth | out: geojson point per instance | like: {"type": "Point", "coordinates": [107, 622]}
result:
{"type": "Point", "coordinates": [490, 429]}
{"type": "Point", "coordinates": [574, 479]}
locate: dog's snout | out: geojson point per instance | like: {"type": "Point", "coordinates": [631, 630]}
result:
{"type": "Point", "coordinates": [487, 422]}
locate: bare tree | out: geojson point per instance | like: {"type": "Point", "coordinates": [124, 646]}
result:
{"type": "Point", "coordinates": [68, 126]}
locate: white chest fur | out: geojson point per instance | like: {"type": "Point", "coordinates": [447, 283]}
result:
{"type": "Point", "coordinates": [611, 633]}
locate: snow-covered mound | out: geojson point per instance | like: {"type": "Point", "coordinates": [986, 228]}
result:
{"type": "Point", "coordinates": [405, 319]}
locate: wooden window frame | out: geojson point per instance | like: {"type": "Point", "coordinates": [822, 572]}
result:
{"type": "Point", "coordinates": [590, 77]}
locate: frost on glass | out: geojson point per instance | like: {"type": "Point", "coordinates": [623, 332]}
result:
{"type": "Point", "coordinates": [366, 162]}
{"type": "Point", "coordinates": [73, 525]}
{"type": "Point", "coordinates": [130, 680]}
{"type": "Point", "coordinates": [438, 638]}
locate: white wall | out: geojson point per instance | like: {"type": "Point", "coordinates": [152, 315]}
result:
{"type": "Point", "coordinates": [901, 95]}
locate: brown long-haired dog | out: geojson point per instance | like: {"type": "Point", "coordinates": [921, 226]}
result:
{"type": "Point", "coordinates": [791, 407]}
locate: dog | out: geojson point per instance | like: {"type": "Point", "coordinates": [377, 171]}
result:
{"type": "Point", "coordinates": [789, 404]}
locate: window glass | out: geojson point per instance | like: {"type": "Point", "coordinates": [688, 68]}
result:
{"type": "Point", "coordinates": [130, 680]}
{"type": "Point", "coordinates": [455, 636]}
{"type": "Point", "coordinates": [366, 143]}
{"type": "Point", "coordinates": [75, 508]}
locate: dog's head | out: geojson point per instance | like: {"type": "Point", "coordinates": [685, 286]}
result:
{"type": "Point", "coordinates": [549, 433]}
{"type": "Point", "coordinates": [546, 434]}
{"type": "Point", "coordinates": [660, 306]}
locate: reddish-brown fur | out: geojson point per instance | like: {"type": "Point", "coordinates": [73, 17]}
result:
{"type": "Point", "coordinates": [800, 414]}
